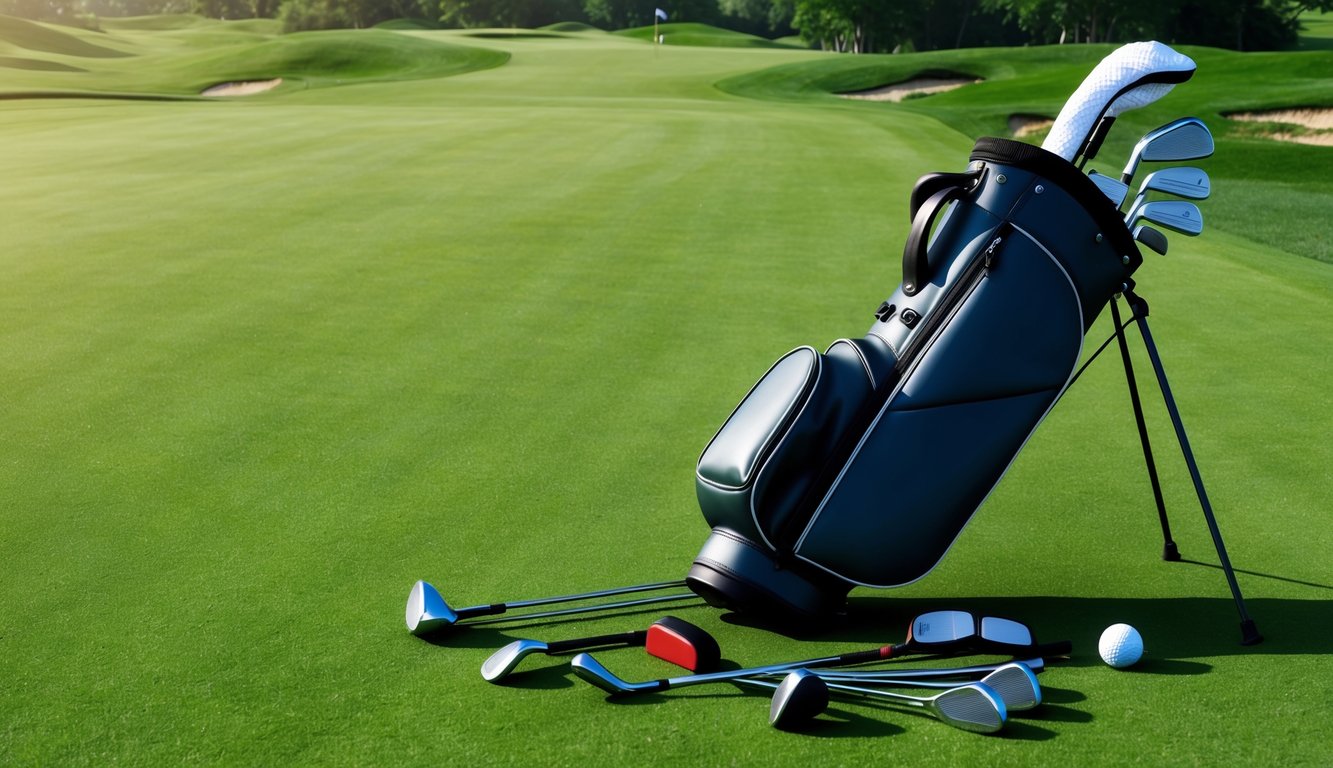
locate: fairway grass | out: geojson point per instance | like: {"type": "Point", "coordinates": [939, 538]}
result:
{"type": "Point", "coordinates": [269, 360]}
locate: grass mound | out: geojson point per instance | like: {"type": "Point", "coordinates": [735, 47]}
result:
{"type": "Point", "coordinates": [339, 56]}
{"type": "Point", "coordinates": [571, 26]}
{"type": "Point", "coordinates": [40, 37]}
{"type": "Point", "coordinates": [160, 23]}
{"type": "Point", "coordinates": [408, 24]}
{"type": "Point", "coordinates": [37, 65]}
{"type": "Point", "coordinates": [691, 33]}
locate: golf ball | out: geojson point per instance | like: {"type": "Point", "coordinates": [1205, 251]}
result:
{"type": "Point", "coordinates": [1121, 646]}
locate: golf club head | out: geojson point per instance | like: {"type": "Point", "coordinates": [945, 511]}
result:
{"type": "Point", "coordinates": [503, 661]}
{"type": "Point", "coordinates": [427, 611]}
{"type": "Point", "coordinates": [1016, 685]}
{"type": "Point", "coordinates": [1114, 190]}
{"type": "Point", "coordinates": [1184, 139]}
{"type": "Point", "coordinates": [683, 644]}
{"type": "Point", "coordinates": [1178, 215]}
{"type": "Point", "coordinates": [1181, 181]}
{"type": "Point", "coordinates": [973, 707]}
{"type": "Point", "coordinates": [800, 697]}
{"type": "Point", "coordinates": [591, 671]}
{"type": "Point", "coordinates": [1150, 237]}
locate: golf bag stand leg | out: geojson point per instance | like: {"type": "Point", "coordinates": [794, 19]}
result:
{"type": "Point", "coordinates": [1139, 310]}
{"type": "Point", "coordinates": [1169, 550]}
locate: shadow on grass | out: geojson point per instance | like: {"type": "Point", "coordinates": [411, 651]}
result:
{"type": "Point", "coordinates": [1174, 629]}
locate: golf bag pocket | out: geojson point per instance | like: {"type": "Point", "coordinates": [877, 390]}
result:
{"type": "Point", "coordinates": [758, 470]}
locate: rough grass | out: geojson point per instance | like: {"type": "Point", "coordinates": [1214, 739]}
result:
{"type": "Point", "coordinates": [268, 361]}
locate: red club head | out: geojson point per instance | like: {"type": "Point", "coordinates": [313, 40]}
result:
{"type": "Point", "coordinates": [683, 644]}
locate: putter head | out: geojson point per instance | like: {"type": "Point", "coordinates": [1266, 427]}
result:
{"type": "Point", "coordinates": [973, 707]}
{"type": "Point", "coordinates": [798, 699]}
{"type": "Point", "coordinates": [1017, 686]}
{"type": "Point", "coordinates": [426, 610]}
{"type": "Point", "coordinates": [502, 662]}
{"type": "Point", "coordinates": [1178, 215]}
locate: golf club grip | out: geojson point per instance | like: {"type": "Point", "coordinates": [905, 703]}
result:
{"type": "Point", "coordinates": [638, 637]}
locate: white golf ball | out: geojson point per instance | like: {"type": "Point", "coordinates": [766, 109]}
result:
{"type": "Point", "coordinates": [1121, 646]}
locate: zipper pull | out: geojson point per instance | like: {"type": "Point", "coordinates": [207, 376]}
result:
{"type": "Point", "coordinates": [988, 258]}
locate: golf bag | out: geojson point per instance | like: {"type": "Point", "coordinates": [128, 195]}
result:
{"type": "Point", "coordinates": [861, 465]}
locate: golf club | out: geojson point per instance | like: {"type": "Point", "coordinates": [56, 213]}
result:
{"type": "Point", "coordinates": [972, 707]}
{"type": "Point", "coordinates": [1181, 181]}
{"type": "Point", "coordinates": [1114, 189]}
{"type": "Point", "coordinates": [1186, 138]}
{"type": "Point", "coordinates": [799, 698]}
{"type": "Point", "coordinates": [1178, 215]}
{"type": "Point", "coordinates": [939, 673]}
{"type": "Point", "coordinates": [938, 632]}
{"type": "Point", "coordinates": [1014, 683]}
{"type": "Point", "coordinates": [1150, 237]}
{"type": "Point", "coordinates": [427, 612]}
{"type": "Point", "coordinates": [668, 638]}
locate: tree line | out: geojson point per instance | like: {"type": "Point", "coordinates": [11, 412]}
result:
{"type": "Point", "coordinates": [853, 26]}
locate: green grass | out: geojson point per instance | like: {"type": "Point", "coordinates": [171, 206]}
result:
{"type": "Point", "coordinates": [1316, 32]}
{"type": "Point", "coordinates": [267, 361]}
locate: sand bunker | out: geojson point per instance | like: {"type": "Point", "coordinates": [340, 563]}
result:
{"type": "Point", "coordinates": [900, 91]}
{"type": "Point", "coordinates": [1026, 125]}
{"type": "Point", "coordinates": [1320, 121]}
{"type": "Point", "coordinates": [243, 88]}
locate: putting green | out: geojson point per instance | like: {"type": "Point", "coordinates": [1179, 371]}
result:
{"type": "Point", "coordinates": [269, 360]}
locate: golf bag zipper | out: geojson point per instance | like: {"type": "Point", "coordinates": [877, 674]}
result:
{"type": "Point", "coordinates": [784, 543]}
{"type": "Point", "coordinates": [972, 275]}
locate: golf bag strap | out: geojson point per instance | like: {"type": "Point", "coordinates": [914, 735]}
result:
{"type": "Point", "coordinates": [916, 260]}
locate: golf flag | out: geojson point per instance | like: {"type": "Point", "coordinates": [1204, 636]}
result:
{"type": "Point", "coordinates": [661, 14]}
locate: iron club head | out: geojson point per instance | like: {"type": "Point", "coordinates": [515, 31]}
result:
{"type": "Point", "coordinates": [504, 660]}
{"type": "Point", "coordinates": [1184, 139]}
{"type": "Point", "coordinates": [1178, 215]}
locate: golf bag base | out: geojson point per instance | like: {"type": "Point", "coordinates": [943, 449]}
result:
{"type": "Point", "coordinates": [733, 573]}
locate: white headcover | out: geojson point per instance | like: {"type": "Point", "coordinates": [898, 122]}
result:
{"type": "Point", "coordinates": [1125, 66]}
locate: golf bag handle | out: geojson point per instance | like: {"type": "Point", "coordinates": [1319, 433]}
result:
{"type": "Point", "coordinates": [934, 182]}
{"type": "Point", "coordinates": [916, 262]}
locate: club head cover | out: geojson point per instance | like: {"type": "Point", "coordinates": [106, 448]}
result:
{"type": "Point", "coordinates": [683, 644]}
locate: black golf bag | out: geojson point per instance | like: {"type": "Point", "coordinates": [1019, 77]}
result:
{"type": "Point", "coordinates": [861, 465]}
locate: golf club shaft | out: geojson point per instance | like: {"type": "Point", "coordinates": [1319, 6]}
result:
{"type": "Point", "coordinates": [918, 676]}
{"type": "Point", "coordinates": [842, 688]}
{"type": "Point", "coordinates": [584, 608]}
